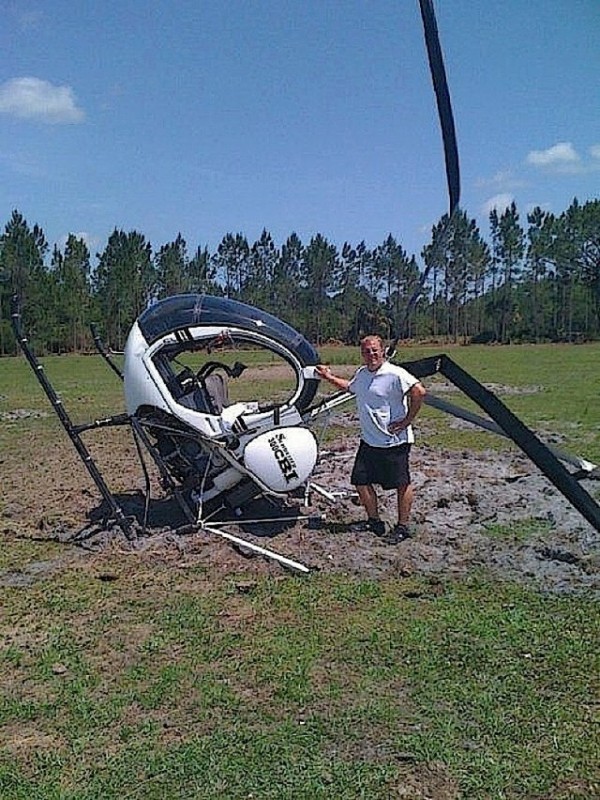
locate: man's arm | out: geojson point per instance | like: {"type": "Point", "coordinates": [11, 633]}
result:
{"type": "Point", "coordinates": [416, 396]}
{"type": "Point", "coordinates": [326, 373]}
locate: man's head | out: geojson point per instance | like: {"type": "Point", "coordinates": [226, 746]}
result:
{"type": "Point", "coordinates": [372, 350]}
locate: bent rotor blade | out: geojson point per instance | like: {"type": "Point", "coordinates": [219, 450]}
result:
{"type": "Point", "coordinates": [442, 94]}
{"type": "Point", "coordinates": [446, 117]}
{"type": "Point", "coordinates": [586, 468]}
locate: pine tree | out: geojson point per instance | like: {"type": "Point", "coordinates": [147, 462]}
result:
{"type": "Point", "coordinates": [287, 291]}
{"type": "Point", "coordinates": [580, 265]}
{"type": "Point", "coordinates": [202, 274]}
{"type": "Point", "coordinates": [23, 273]}
{"type": "Point", "coordinates": [124, 283]}
{"type": "Point", "coordinates": [320, 264]}
{"type": "Point", "coordinates": [539, 265]}
{"type": "Point", "coordinates": [231, 262]}
{"type": "Point", "coordinates": [508, 245]}
{"type": "Point", "coordinates": [170, 264]}
{"type": "Point", "coordinates": [259, 289]}
{"type": "Point", "coordinates": [73, 293]}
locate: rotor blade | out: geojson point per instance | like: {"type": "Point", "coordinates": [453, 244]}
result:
{"type": "Point", "coordinates": [440, 86]}
{"type": "Point", "coordinates": [587, 468]}
{"type": "Point", "coordinates": [446, 117]}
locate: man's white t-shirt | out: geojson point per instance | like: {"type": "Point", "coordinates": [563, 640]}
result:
{"type": "Point", "coordinates": [381, 398]}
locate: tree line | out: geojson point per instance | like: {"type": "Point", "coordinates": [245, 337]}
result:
{"type": "Point", "coordinates": [533, 280]}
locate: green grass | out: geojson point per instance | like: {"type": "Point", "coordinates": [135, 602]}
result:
{"type": "Point", "coordinates": [521, 531]}
{"type": "Point", "coordinates": [146, 676]}
{"type": "Point", "coordinates": [323, 687]}
{"type": "Point", "coordinates": [566, 379]}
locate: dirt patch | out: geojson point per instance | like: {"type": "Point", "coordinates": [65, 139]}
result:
{"type": "Point", "coordinates": [465, 503]}
{"type": "Point", "coordinates": [24, 738]}
{"type": "Point", "coordinates": [19, 414]}
{"type": "Point", "coordinates": [425, 781]}
{"type": "Point", "coordinates": [440, 386]}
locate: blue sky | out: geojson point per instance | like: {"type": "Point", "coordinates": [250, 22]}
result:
{"type": "Point", "coordinates": [212, 116]}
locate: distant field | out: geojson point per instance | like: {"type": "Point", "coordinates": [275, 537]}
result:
{"type": "Point", "coordinates": [161, 673]}
{"type": "Point", "coordinates": [561, 383]}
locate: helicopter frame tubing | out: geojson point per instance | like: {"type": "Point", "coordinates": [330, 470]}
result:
{"type": "Point", "coordinates": [74, 431]}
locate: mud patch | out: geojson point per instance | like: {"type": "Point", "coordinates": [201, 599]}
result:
{"type": "Point", "coordinates": [474, 512]}
{"type": "Point", "coordinates": [31, 573]}
{"type": "Point", "coordinates": [498, 388]}
{"type": "Point", "coordinates": [486, 511]}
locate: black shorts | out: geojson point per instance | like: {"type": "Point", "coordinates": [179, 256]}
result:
{"type": "Point", "coordinates": [386, 466]}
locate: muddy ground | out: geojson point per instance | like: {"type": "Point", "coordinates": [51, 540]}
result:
{"type": "Point", "coordinates": [464, 503]}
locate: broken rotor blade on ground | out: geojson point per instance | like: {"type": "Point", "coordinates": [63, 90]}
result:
{"type": "Point", "coordinates": [469, 416]}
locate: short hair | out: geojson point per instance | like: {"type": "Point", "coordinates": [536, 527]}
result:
{"type": "Point", "coordinates": [373, 337]}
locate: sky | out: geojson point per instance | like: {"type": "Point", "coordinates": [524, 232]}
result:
{"type": "Point", "coordinates": [208, 117]}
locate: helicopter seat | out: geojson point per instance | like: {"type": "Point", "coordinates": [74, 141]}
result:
{"type": "Point", "coordinates": [217, 391]}
{"type": "Point", "coordinates": [209, 396]}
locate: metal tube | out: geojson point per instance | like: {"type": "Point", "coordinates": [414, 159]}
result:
{"type": "Point", "coordinates": [256, 548]}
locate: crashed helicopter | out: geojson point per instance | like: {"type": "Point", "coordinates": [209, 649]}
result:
{"type": "Point", "coordinates": [214, 455]}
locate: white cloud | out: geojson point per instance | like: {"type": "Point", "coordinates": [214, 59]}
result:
{"type": "Point", "coordinates": [502, 181]}
{"type": "Point", "coordinates": [32, 98]}
{"type": "Point", "coordinates": [500, 202]}
{"type": "Point", "coordinates": [595, 151]}
{"type": "Point", "coordinates": [561, 157]}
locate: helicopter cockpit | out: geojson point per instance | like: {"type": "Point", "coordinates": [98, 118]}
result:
{"type": "Point", "coordinates": [185, 363]}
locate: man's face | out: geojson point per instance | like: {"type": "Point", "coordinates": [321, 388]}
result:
{"type": "Point", "coordinates": [372, 354]}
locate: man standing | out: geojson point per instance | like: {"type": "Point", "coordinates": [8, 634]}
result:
{"type": "Point", "coordinates": [388, 399]}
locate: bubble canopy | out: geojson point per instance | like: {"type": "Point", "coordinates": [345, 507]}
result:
{"type": "Point", "coordinates": [187, 311]}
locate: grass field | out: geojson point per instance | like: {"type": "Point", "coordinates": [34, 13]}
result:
{"type": "Point", "coordinates": [147, 675]}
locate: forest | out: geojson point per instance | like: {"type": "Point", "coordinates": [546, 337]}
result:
{"type": "Point", "coordinates": [533, 279]}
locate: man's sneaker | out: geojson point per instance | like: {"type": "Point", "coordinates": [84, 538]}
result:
{"type": "Point", "coordinates": [397, 534]}
{"type": "Point", "coordinates": [360, 526]}
{"type": "Point", "coordinates": [374, 525]}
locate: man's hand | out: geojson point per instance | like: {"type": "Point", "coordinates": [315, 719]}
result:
{"type": "Point", "coordinates": [325, 372]}
{"type": "Point", "coordinates": [416, 396]}
{"type": "Point", "coordinates": [398, 425]}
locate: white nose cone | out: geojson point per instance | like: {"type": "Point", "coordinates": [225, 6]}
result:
{"type": "Point", "coordinates": [283, 458]}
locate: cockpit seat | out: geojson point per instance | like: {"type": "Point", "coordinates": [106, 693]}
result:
{"type": "Point", "coordinates": [217, 391]}
{"type": "Point", "coordinates": [210, 394]}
